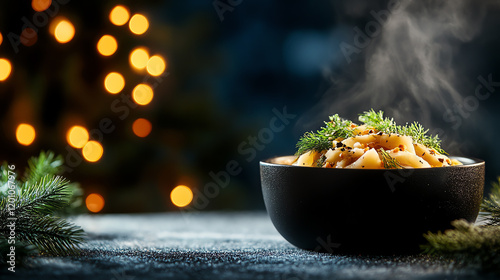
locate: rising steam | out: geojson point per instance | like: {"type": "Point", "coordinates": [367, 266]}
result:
{"type": "Point", "coordinates": [410, 68]}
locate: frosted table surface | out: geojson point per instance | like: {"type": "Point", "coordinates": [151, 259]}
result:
{"type": "Point", "coordinates": [216, 245]}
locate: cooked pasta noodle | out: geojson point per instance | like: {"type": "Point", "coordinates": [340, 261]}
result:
{"type": "Point", "coordinates": [370, 148]}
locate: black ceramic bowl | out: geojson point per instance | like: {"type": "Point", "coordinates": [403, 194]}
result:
{"type": "Point", "coordinates": [368, 211]}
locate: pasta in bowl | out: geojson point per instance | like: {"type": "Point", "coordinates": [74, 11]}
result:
{"type": "Point", "coordinates": [376, 144]}
{"type": "Point", "coordinates": [369, 188]}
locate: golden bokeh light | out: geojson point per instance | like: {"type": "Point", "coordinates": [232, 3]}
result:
{"type": "Point", "coordinates": [138, 24]}
{"type": "Point", "coordinates": [92, 151]}
{"type": "Point", "coordinates": [139, 58]}
{"type": "Point", "coordinates": [142, 94]}
{"type": "Point", "coordinates": [142, 127]}
{"type": "Point", "coordinates": [119, 15]}
{"type": "Point", "coordinates": [94, 202]}
{"type": "Point", "coordinates": [114, 82]}
{"type": "Point", "coordinates": [40, 5]}
{"type": "Point", "coordinates": [64, 31]}
{"type": "Point", "coordinates": [156, 65]}
{"type": "Point", "coordinates": [25, 134]}
{"type": "Point", "coordinates": [77, 136]}
{"type": "Point", "coordinates": [5, 69]}
{"type": "Point", "coordinates": [181, 196]}
{"type": "Point", "coordinates": [1, 38]}
{"type": "Point", "coordinates": [28, 37]}
{"type": "Point", "coordinates": [107, 45]}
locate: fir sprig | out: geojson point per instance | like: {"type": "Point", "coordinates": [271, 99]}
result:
{"type": "Point", "coordinates": [323, 138]}
{"type": "Point", "coordinates": [37, 198]}
{"type": "Point", "coordinates": [469, 243]}
{"type": "Point", "coordinates": [491, 205]}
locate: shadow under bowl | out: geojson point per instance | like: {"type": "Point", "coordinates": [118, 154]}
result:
{"type": "Point", "coordinates": [360, 211]}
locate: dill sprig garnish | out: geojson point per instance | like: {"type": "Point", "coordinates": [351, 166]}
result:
{"type": "Point", "coordinates": [341, 128]}
{"type": "Point", "coordinates": [415, 130]}
{"type": "Point", "coordinates": [388, 161]}
{"type": "Point", "coordinates": [323, 138]}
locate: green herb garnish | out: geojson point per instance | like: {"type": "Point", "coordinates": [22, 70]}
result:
{"type": "Point", "coordinates": [388, 161]}
{"type": "Point", "coordinates": [340, 128]}
{"type": "Point", "coordinates": [323, 138]}
{"type": "Point", "coordinates": [415, 130]}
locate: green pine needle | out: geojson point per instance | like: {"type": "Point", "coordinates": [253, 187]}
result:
{"type": "Point", "coordinates": [38, 197]}
{"type": "Point", "coordinates": [51, 235]}
{"type": "Point", "coordinates": [48, 195]}
{"type": "Point", "coordinates": [38, 167]}
{"type": "Point", "coordinates": [471, 244]}
{"type": "Point", "coordinates": [491, 205]}
{"type": "Point", "coordinates": [468, 244]}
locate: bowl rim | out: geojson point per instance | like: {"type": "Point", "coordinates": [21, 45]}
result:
{"type": "Point", "coordinates": [467, 162]}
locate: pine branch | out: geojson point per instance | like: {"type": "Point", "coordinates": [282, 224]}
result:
{"type": "Point", "coordinates": [52, 235]}
{"type": "Point", "coordinates": [23, 250]}
{"type": "Point", "coordinates": [38, 167]}
{"type": "Point", "coordinates": [41, 194]}
{"type": "Point", "coordinates": [491, 205]}
{"type": "Point", "coordinates": [467, 243]}
{"type": "Point", "coordinates": [51, 193]}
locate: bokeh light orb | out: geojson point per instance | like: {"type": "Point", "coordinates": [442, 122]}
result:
{"type": "Point", "coordinates": [92, 151]}
{"type": "Point", "coordinates": [77, 136]}
{"type": "Point", "coordinates": [40, 5]}
{"type": "Point", "coordinates": [5, 69]}
{"type": "Point", "coordinates": [94, 202]}
{"type": "Point", "coordinates": [1, 38]}
{"type": "Point", "coordinates": [138, 24]}
{"type": "Point", "coordinates": [28, 37]}
{"type": "Point", "coordinates": [64, 31]}
{"type": "Point", "coordinates": [114, 82]}
{"type": "Point", "coordinates": [119, 15]}
{"type": "Point", "coordinates": [156, 65]}
{"type": "Point", "coordinates": [142, 94]}
{"type": "Point", "coordinates": [25, 134]}
{"type": "Point", "coordinates": [141, 127]}
{"type": "Point", "coordinates": [181, 196]}
{"type": "Point", "coordinates": [107, 45]}
{"type": "Point", "coordinates": [139, 58]}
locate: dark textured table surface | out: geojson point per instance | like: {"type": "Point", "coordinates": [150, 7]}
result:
{"type": "Point", "coordinates": [216, 246]}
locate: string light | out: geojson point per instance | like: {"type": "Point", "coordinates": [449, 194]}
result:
{"type": "Point", "coordinates": [142, 94]}
{"type": "Point", "coordinates": [107, 45]}
{"type": "Point", "coordinates": [64, 31]}
{"type": "Point", "coordinates": [114, 82]}
{"type": "Point", "coordinates": [94, 202]}
{"type": "Point", "coordinates": [181, 196]}
{"type": "Point", "coordinates": [41, 5]}
{"type": "Point", "coordinates": [92, 151]}
{"type": "Point", "coordinates": [156, 65]}
{"type": "Point", "coordinates": [5, 69]}
{"type": "Point", "coordinates": [25, 134]}
{"type": "Point", "coordinates": [119, 15]}
{"type": "Point", "coordinates": [139, 58]}
{"type": "Point", "coordinates": [77, 136]}
{"type": "Point", "coordinates": [141, 127]}
{"type": "Point", "coordinates": [138, 24]}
